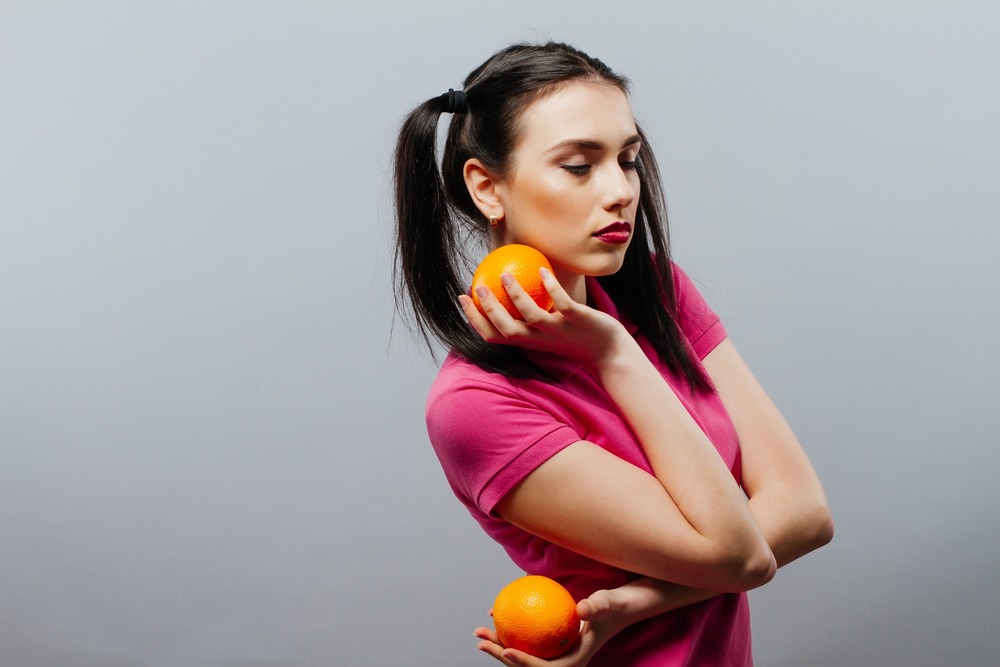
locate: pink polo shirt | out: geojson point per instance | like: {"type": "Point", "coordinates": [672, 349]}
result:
{"type": "Point", "coordinates": [490, 431]}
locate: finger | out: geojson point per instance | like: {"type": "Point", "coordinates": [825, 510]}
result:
{"type": "Point", "coordinates": [512, 656]}
{"type": "Point", "coordinates": [498, 652]}
{"type": "Point", "coordinates": [487, 634]}
{"type": "Point", "coordinates": [491, 644]}
{"type": "Point", "coordinates": [561, 300]}
{"type": "Point", "coordinates": [516, 658]}
{"type": "Point", "coordinates": [497, 326]}
{"type": "Point", "coordinates": [501, 320]}
{"type": "Point", "coordinates": [597, 603]}
{"type": "Point", "coordinates": [530, 311]}
{"type": "Point", "coordinates": [483, 326]}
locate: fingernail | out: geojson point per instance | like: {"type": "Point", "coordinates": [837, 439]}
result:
{"type": "Point", "coordinates": [482, 291]}
{"type": "Point", "coordinates": [506, 279]}
{"type": "Point", "coordinates": [545, 273]}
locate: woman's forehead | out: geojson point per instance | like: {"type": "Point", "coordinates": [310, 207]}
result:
{"type": "Point", "coordinates": [579, 111]}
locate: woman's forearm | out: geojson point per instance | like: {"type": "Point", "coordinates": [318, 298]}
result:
{"type": "Point", "coordinates": [685, 462]}
{"type": "Point", "coordinates": [794, 524]}
{"type": "Point", "coordinates": [786, 497]}
{"type": "Point", "coordinates": [647, 597]}
{"type": "Point", "coordinates": [791, 534]}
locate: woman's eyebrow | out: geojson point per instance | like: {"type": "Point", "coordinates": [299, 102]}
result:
{"type": "Point", "coordinates": [591, 144]}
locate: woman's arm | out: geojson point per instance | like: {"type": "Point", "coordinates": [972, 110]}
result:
{"type": "Point", "coordinates": [786, 497]}
{"type": "Point", "coordinates": [786, 500]}
{"type": "Point", "coordinates": [604, 614]}
{"type": "Point", "coordinates": [688, 523]}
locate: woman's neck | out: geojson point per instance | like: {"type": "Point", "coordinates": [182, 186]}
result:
{"type": "Point", "coordinates": [575, 284]}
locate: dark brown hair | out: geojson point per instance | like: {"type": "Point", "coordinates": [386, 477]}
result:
{"type": "Point", "coordinates": [437, 218]}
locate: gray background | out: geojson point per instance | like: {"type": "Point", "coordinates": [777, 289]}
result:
{"type": "Point", "coordinates": [212, 449]}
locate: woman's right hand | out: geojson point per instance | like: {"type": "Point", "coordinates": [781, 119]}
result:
{"type": "Point", "coordinates": [570, 329]}
{"type": "Point", "coordinates": [603, 615]}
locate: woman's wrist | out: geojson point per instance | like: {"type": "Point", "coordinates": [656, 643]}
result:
{"type": "Point", "coordinates": [647, 597]}
{"type": "Point", "coordinates": [622, 354]}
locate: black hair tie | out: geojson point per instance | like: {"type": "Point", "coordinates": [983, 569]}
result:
{"type": "Point", "coordinates": [454, 101]}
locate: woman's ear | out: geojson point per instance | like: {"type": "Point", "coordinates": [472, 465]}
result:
{"type": "Point", "coordinates": [482, 185]}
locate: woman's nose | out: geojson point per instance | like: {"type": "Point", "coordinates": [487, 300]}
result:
{"type": "Point", "coordinates": [621, 190]}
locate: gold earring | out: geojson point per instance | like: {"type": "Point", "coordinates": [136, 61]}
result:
{"type": "Point", "coordinates": [494, 221]}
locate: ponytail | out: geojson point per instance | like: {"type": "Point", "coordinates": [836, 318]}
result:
{"type": "Point", "coordinates": [425, 247]}
{"type": "Point", "coordinates": [430, 251]}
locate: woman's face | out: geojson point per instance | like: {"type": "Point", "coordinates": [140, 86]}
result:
{"type": "Point", "coordinates": [573, 190]}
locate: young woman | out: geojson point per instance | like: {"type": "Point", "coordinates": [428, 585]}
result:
{"type": "Point", "coordinates": [611, 443]}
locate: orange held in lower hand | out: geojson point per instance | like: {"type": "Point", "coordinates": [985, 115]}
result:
{"type": "Point", "coordinates": [536, 615]}
{"type": "Point", "coordinates": [522, 262]}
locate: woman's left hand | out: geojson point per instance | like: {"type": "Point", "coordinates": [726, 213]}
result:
{"type": "Point", "coordinates": [602, 618]}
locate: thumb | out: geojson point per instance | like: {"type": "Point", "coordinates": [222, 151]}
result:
{"type": "Point", "coordinates": [598, 603]}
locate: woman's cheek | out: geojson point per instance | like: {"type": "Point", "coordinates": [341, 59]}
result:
{"type": "Point", "coordinates": [563, 203]}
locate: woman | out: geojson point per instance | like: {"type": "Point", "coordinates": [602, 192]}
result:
{"type": "Point", "coordinates": [613, 442]}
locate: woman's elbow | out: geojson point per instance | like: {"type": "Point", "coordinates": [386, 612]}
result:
{"type": "Point", "coordinates": [758, 569]}
{"type": "Point", "coordinates": [813, 529]}
{"type": "Point", "coordinates": [821, 520]}
{"type": "Point", "coordinates": [747, 569]}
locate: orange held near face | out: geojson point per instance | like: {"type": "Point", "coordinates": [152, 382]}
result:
{"type": "Point", "coordinates": [522, 262]}
{"type": "Point", "coordinates": [536, 615]}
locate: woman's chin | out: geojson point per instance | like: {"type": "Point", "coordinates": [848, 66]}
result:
{"type": "Point", "coordinates": [608, 266]}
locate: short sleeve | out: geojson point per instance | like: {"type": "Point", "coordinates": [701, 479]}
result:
{"type": "Point", "coordinates": [488, 438]}
{"type": "Point", "coordinates": [699, 323]}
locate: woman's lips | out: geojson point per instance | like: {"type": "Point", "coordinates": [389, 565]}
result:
{"type": "Point", "coordinates": [616, 232]}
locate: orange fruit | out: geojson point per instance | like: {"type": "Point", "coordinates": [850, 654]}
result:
{"type": "Point", "coordinates": [536, 615]}
{"type": "Point", "coordinates": [522, 262]}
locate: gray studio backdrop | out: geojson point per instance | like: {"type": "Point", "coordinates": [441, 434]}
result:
{"type": "Point", "coordinates": [212, 450]}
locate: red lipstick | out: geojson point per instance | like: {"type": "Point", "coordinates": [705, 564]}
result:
{"type": "Point", "coordinates": [616, 232]}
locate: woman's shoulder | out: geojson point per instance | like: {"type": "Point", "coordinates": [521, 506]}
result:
{"type": "Point", "coordinates": [457, 373]}
{"type": "Point", "coordinates": [461, 384]}
{"type": "Point", "coordinates": [697, 319]}
{"type": "Point", "coordinates": [683, 285]}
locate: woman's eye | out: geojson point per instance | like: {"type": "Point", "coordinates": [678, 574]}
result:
{"type": "Point", "coordinates": [577, 169]}
{"type": "Point", "coordinates": [628, 164]}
